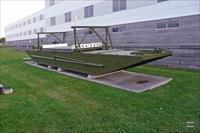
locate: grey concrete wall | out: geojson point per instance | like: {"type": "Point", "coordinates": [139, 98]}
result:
{"type": "Point", "coordinates": [146, 33]}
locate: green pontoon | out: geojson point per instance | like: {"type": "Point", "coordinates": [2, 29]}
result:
{"type": "Point", "coordinates": [92, 58]}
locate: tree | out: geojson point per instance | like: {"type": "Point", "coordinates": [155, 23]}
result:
{"type": "Point", "coordinates": [2, 41]}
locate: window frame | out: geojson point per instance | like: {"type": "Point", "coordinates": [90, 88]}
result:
{"type": "Point", "coordinates": [41, 17]}
{"type": "Point", "coordinates": [34, 20]}
{"type": "Point", "coordinates": [68, 17]}
{"type": "Point", "coordinates": [53, 21]}
{"type": "Point", "coordinates": [167, 25]}
{"type": "Point", "coordinates": [51, 2]}
{"type": "Point", "coordinates": [89, 11]}
{"type": "Point", "coordinates": [119, 5]}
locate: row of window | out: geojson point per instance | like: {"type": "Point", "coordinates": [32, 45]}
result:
{"type": "Point", "coordinates": [167, 25]}
{"type": "Point", "coordinates": [162, 0]}
{"type": "Point", "coordinates": [24, 23]}
{"type": "Point", "coordinates": [89, 11]}
{"type": "Point", "coordinates": [118, 5]}
{"type": "Point", "coordinates": [29, 32]}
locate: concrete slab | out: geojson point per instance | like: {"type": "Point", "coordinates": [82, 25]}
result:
{"type": "Point", "coordinates": [130, 81]}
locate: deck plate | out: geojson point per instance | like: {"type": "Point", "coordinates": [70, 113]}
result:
{"type": "Point", "coordinates": [130, 81]}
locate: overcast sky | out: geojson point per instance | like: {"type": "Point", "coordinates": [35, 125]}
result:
{"type": "Point", "coordinates": [12, 10]}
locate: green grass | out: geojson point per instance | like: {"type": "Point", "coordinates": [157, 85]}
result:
{"type": "Point", "coordinates": [49, 102]}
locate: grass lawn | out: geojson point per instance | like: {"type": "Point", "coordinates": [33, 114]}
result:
{"type": "Point", "coordinates": [49, 102]}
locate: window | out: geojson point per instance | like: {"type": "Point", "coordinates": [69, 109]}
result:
{"type": "Point", "coordinates": [41, 29]}
{"type": "Point", "coordinates": [51, 2]}
{"type": "Point", "coordinates": [53, 20]}
{"type": "Point", "coordinates": [41, 17]}
{"type": "Point", "coordinates": [24, 32]}
{"type": "Point", "coordinates": [161, 0]}
{"type": "Point", "coordinates": [20, 25]}
{"type": "Point", "coordinates": [161, 25]}
{"type": "Point", "coordinates": [35, 31]}
{"type": "Point", "coordinates": [167, 25]}
{"type": "Point", "coordinates": [119, 5]}
{"type": "Point", "coordinates": [173, 25]}
{"type": "Point", "coordinates": [29, 21]}
{"type": "Point", "coordinates": [34, 19]}
{"type": "Point", "coordinates": [89, 11]}
{"type": "Point", "coordinates": [29, 32]}
{"type": "Point", "coordinates": [68, 17]}
{"type": "Point", "coordinates": [24, 23]}
{"type": "Point", "coordinates": [119, 29]}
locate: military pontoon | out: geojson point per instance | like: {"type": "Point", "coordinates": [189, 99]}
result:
{"type": "Point", "coordinates": [91, 58]}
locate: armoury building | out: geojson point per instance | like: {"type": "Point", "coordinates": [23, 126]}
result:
{"type": "Point", "coordinates": [169, 24]}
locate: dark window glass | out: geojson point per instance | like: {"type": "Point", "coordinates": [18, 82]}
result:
{"type": "Point", "coordinates": [34, 19]}
{"type": "Point", "coordinates": [53, 20]}
{"type": "Point", "coordinates": [29, 21]}
{"type": "Point", "coordinates": [122, 4]}
{"type": "Point", "coordinates": [161, 0]}
{"type": "Point", "coordinates": [119, 5]}
{"type": "Point", "coordinates": [115, 5]}
{"type": "Point", "coordinates": [35, 30]}
{"type": "Point", "coordinates": [119, 29]}
{"type": "Point", "coordinates": [51, 2]}
{"type": "Point", "coordinates": [41, 29]}
{"type": "Point", "coordinates": [173, 25]}
{"type": "Point", "coordinates": [161, 26]}
{"type": "Point", "coordinates": [89, 11]}
{"type": "Point", "coordinates": [41, 17]}
{"type": "Point", "coordinates": [68, 17]}
{"type": "Point", "coordinates": [115, 29]}
{"type": "Point", "coordinates": [29, 32]}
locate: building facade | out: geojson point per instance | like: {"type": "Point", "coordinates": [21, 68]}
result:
{"type": "Point", "coordinates": [170, 24]}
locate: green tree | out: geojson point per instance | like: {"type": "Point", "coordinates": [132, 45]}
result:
{"type": "Point", "coordinates": [2, 41]}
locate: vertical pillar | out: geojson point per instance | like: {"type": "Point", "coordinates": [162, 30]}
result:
{"type": "Point", "coordinates": [38, 41]}
{"type": "Point", "coordinates": [106, 37]}
{"type": "Point", "coordinates": [75, 38]}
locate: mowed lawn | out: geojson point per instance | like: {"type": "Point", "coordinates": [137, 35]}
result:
{"type": "Point", "coordinates": [49, 102]}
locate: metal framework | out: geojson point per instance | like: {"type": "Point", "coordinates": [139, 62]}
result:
{"type": "Point", "coordinates": [50, 34]}
{"type": "Point", "coordinates": [107, 42]}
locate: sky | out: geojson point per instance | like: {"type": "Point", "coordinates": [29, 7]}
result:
{"type": "Point", "coordinates": [12, 10]}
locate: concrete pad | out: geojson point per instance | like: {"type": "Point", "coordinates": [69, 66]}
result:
{"type": "Point", "coordinates": [130, 81]}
